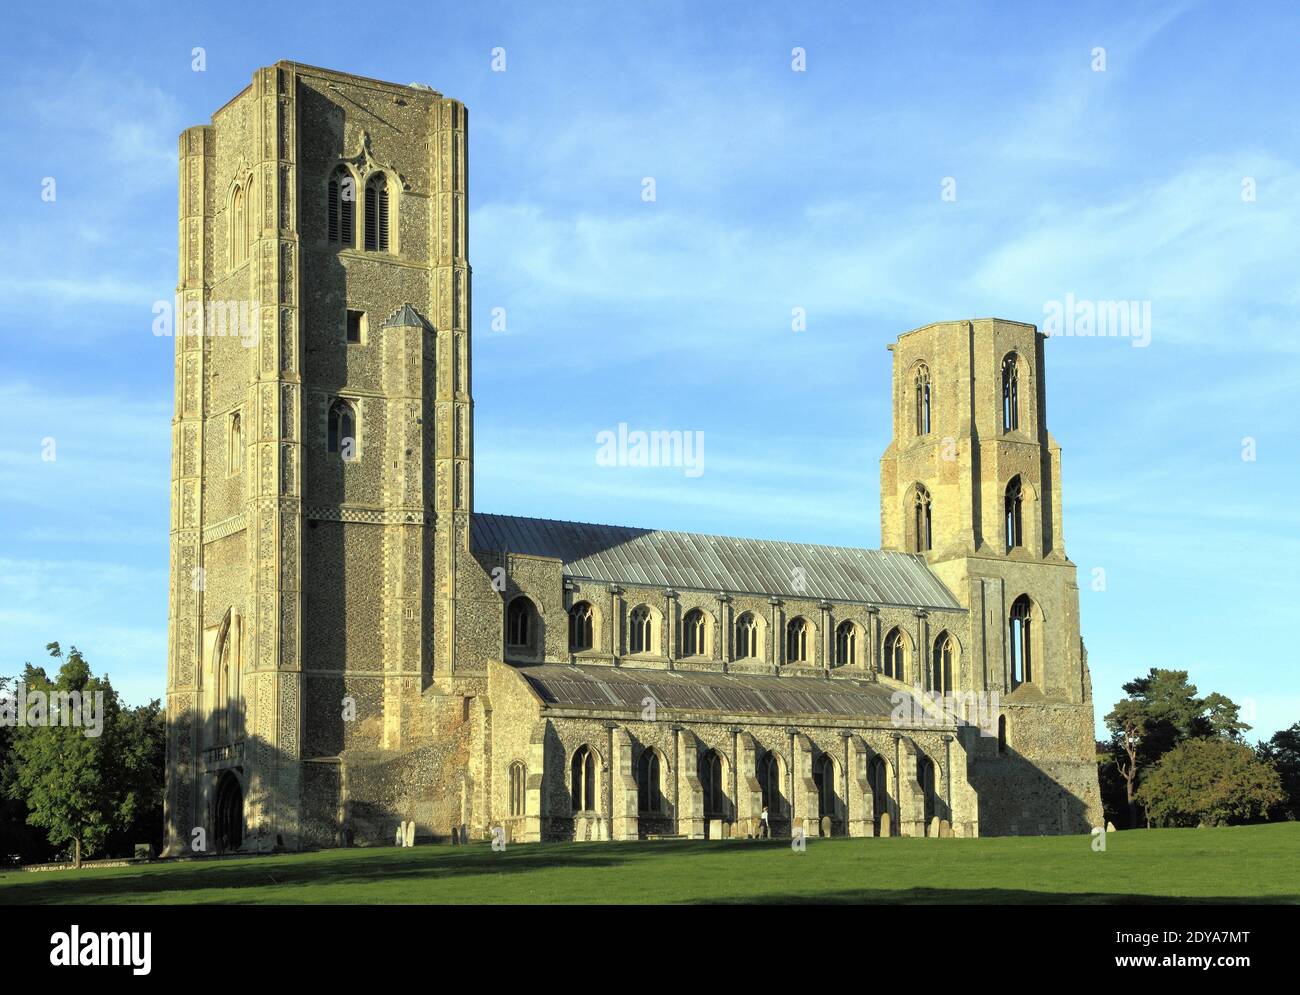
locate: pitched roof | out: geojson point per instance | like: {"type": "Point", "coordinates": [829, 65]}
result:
{"type": "Point", "coordinates": [404, 317]}
{"type": "Point", "coordinates": [648, 557]}
{"type": "Point", "coordinates": [602, 688]}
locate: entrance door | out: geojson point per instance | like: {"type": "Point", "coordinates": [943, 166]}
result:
{"type": "Point", "coordinates": [229, 812]}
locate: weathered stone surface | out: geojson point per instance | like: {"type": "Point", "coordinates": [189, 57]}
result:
{"type": "Point", "coordinates": [342, 659]}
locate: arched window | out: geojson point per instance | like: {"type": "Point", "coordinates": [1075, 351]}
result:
{"type": "Point", "coordinates": [846, 644]}
{"type": "Point", "coordinates": [693, 633]}
{"type": "Point", "coordinates": [520, 623]}
{"type": "Point", "coordinates": [583, 774]}
{"type": "Point", "coordinates": [711, 781]}
{"type": "Point", "coordinates": [746, 637]}
{"type": "Point", "coordinates": [377, 214]}
{"type": "Point", "coordinates": [238, 228]}
{"type": "Point", "coordinates": [895, 657]}
{"type": "Point", "coordinates": [769, 781]}
{"type": "Point", "coordinates": [921, 520]}
{"type": "Point", "coordinates": [223, 696]}
{"type": "Point", "coordinates": [580, 627]}
{"type": "Point", "coordinates": [943, 668]}
{"type": "Point", "coordinates": [925, 775]}
{"type": "Point", "coordinates": [824, 778]}
{"type": "Point", "coordinates": [1015, 533]}
{"type": "Point", "coordinates": [236, 457]}
{"type": "Point", "coordinates": [342, 199]}
{"type": "Point", "coordinates": [640, 631]}
{"type": "Point", "coordinates": [1010, 393]}
{"type": "Point", "coordinates": [649, 786]}
{"type": "Point", "coordinates": [796, 641]}
{"type": "Point", "coordinates": [342, 429]}
{"type": "Point", "coordinates": [518, 787]}
{"type": "Point", "coordinates": [922, 400]}
{"type": "Point", "coordinates": [1021, 641]}
{"type": "Point", "coordinates": [878, 778]}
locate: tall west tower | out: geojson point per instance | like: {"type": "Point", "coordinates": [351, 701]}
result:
{"type": "Point", "coordinates": [322, 448]}
{"type": "Point", "coordinates": [972, 480]}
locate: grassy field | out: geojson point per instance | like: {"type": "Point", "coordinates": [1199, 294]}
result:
{"type": "Point", "coordinates": [1238, 864]}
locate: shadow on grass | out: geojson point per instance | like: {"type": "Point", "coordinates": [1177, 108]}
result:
{"type": "Point", "coordinates": [989, 896]}
{"type": "Point", "coordinates": [335, 868]}
{"type": "Point", "coordinates": [338, 869]}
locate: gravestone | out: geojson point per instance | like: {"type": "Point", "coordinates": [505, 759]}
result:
{"type": "Point", "coordinates": [143, 851]}
{"type": "Point", "coordinates": [408, 838]}
{"type": "Point", "coordinates": [1110, 827]}
{"type": "Point", "coordinates": [945, 829]}
{"type": "Point", "coordinates": [455, 836]}
{"type": "Point", "coordinates": [884, 825]}
{"type": "Point", "coordinates": [934, 828]}
{"type": "Point", "coordinates": [827, 825]}
{"type": "Point", "coordinates": [399, 836]}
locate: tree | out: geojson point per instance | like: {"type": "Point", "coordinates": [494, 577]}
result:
{"type": "Point", "coordinates": [1114, 803]}
{"type": "Point", "coordinates": [19, 840]}
{"type": "Point", "coordinates": [61, 768]}
{"type": "Point", "coordinates": [1209, 782]}
{"type": "Point", "coordinates": [1283, 752]}
{"type": "Point", "coordinates": [1128, 726]}
{"type": "Point", "coordinates": [139, 746]}
{"type": "Point", "coordinates": [1161, 711]}
{"type": "Point", "coordinates": [102, 791]}
{"type": "Point", "coordinates": [1223, 717]}
{"type": "Point", "coordinates": [1175, 713]}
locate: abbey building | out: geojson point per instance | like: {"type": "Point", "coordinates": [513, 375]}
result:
{"type": "Point", "coordinates": [353, 645]}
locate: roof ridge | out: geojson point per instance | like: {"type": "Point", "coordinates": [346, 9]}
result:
{"type": "Point", "coordinates": [621, 554]}
{"type": "Point", "coordinates": [700, 535]}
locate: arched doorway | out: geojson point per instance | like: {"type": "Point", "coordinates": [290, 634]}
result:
{"type": "Point", "coordinates": [229, 812]}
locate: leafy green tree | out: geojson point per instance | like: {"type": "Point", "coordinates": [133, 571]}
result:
{"type": "Point", "coordinates": [19, 840]}
{"type": "Point", "coordinates": [1209, 782]}
{"type": "Point", "coordinates": [1223, 717]}
{"type": "Point", "coordinates": [65, 777]}
{"type": "Point", "coordinates": [1283, 752]}
{"type": "Point", "coordinates": [1161, 711]}
{"type": "Point", "coordinates": [139, 745]}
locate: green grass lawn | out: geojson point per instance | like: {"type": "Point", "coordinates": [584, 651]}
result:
{"type": "Point", "coordinates": [1246, 863]}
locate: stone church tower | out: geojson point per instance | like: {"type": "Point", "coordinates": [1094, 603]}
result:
{"type": "Point", "coordinates": [972, 480]}
{"type": "Point", "coordinates": [349, 652]}
{"type": "Point", "coordinates": [314, 588]}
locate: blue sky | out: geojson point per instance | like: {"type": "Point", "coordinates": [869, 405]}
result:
{"type": "Point", "coordinates": [775, 189]}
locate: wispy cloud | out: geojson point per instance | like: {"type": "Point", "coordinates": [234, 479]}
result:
{"type": "Point", "coordinates": [83, 603]}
